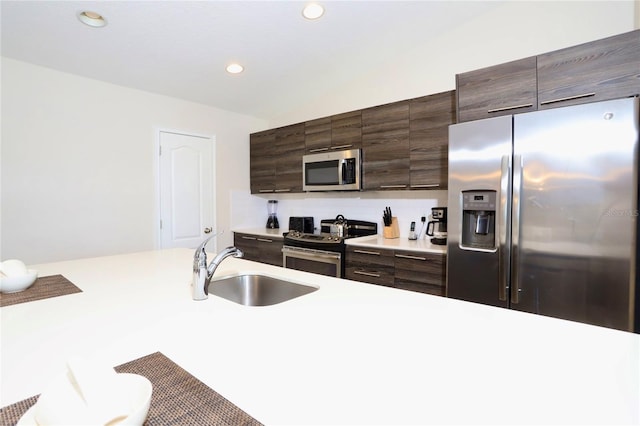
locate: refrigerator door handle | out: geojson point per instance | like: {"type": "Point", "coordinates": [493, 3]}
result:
{"type": "Point", "coordinates": [504, 242]}
{"type": "Point", "coordinates": [515, 231]}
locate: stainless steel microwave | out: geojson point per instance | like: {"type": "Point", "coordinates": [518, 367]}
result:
{"type": "Point", "coordinates": [332, 171]}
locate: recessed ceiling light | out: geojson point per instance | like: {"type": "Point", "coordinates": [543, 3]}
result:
{"type": "Point", "coordinates": [235, 68]}
{"type": "Point", "coordinates": [312, 11]}
{"type": "Point", "coordinates": [92, 19]}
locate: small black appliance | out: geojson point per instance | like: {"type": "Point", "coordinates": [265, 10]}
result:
{"type": "Point", "coordinates": [301, 224]}
{"type": "Point", "coordinates": [437, 228]}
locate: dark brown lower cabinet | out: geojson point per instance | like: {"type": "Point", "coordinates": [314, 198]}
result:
{"type": "Point", "coordinates": [260, 248]}
{"type": "Point", "coordinates": [367, 265]}
{"type": "Point", "coordinates": [407, 270]}
{"type": "Point", "coordinates": [417, 271]}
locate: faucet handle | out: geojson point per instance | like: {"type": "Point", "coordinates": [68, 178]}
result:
{"type": "Point", "coordinates": [200, 255]}
{"type": "Point", "coordinates": [200, 248]}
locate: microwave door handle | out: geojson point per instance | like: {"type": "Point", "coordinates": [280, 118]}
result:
{"type": "Point", "coordinates": [342, 171]}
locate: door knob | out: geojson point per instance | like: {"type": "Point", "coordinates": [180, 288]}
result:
{"type": "Point", "coordinates": [207, 230]}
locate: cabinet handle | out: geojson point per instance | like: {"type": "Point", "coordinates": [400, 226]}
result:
{"type": "Point", "coordinates": [405, 256]}
{"type": "Point", "coordinates": [568, 98]}
{"type": "Point", "coordinates": [265, 240]}
{"type": "Point", "coordinates": [509, 107]}
{"type": "Point", "coordinates": [318, 150]}
{"type": "Point", "coordinates": [265, 190]}
{"type": "Point", "coordinates": [342, 146]}
{"type": "Point", "coordinates": [283, 190]}
{"type": "Point", "coordinates": [368, 274]}
{"type": "Point", "coordinates": [244, 237]}
{"type": "Point", "coordinates": [373, 253]}
{"type": "Point", "coordinates": [426, 185]}
{"type": "Point", "coordinates": [392, 186]}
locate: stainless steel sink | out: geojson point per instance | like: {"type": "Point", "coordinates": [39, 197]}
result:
{"type": "Point", "coordinates": [257, 290]}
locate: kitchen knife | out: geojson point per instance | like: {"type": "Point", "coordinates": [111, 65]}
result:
{"type": "Point", "coordinates": [386, 217]}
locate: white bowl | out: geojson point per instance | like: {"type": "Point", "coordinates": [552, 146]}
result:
{"type": "Point", "coordinates": [16, 283]}
{"type": "Point", "coordinates": [139, 389]}
{"type": "Point", "coordinates": [61, 404]}
{"type": "Point", "coordinates": [13, 267]}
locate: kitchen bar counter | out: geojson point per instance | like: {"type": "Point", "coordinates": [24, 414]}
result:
{"type": "Point", "coordinates": [349, 353]}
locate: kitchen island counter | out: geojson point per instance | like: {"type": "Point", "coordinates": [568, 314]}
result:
{"type": "Point", "coordinates": [349, 353]}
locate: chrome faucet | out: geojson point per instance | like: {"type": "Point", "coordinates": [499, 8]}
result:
{"type": "Point", "coordinates": [202, 273]}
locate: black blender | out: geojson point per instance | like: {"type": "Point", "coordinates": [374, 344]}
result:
{"type": "Point", "coordinates": [272, 220]}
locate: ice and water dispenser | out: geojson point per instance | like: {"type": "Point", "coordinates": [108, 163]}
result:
{"type": "Point", "coordinates": [478, 220]}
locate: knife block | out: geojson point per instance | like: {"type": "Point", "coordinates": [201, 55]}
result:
{"type": "Point", "coordinates": [392, 231]}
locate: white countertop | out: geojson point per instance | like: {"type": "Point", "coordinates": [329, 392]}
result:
{"type": "Point", "coordinates": [349, 353]}
{"type": "Point", "coordinates": [373, 241]}
{"type": "Point", "coordinates": [262, 231]}
{"type": "Point", "coordinates": [378, 241]}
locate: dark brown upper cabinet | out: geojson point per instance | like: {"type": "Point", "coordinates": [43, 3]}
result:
{"type": "Point", "coordinates": [340, 131]}
{"type": "Point", "coordinates": [590, 72]}
{"type": "Point", "coordinates": [276, 159]}
{"type": "Point", "coordinates": [497, 90]}
{"type": "Point", "coordinates": [262, 161]}
{"type": "Point", "coordinates": [317, 135]}
{"type": "Point", "coordinates": [596, 71]}
{"type": "Point", "coordinates": [290, 147]}
{"type": "Point", "coordinates": [385, 146]}
{"type": "Point", "coordinates": [346, 130]}
{"type": "Point", "coordinates": [429, 120]}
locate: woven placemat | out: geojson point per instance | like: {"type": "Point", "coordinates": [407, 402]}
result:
{"type": "Point", "coordinates": [178, 397]}
{"type": "Point", "coordinates": [43, 288]}
{"type": "Point", "coordinates": [10, 414]}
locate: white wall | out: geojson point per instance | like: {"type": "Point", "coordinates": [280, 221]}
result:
{"type": "Point", "coordinates": [508, 31]}
{"type": "Point", "coordinates": [78, 163]}
{"type": "Point", "coordinates": [77, 154]}
{"type": "Point", "coordinates": [251, 211]}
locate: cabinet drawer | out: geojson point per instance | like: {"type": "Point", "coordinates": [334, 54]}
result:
{"type": "Point", "coordinates": [590, 72]}
{"type": "Point", "coordinates": [260, 248]}
{"type": "Point", "coordinates": [270, 250]}
{"type": "Point", "coordinates": [248, 244]}
{"type": "Point", "coordinates": [370, 256]}
{"type": "Point", "coordinates": [497, 90]}
{"type": "Point", "coordinates": [370, 274]}
{"type": "Point", "coordinates": [420, 271]}
{"type": "Point", "coordinates": [373, 266]}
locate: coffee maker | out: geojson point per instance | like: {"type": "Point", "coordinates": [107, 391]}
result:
{"type": "Point", "coordinates": [272, 220]}
{"type": "Point", "coordinates": [437, 228]}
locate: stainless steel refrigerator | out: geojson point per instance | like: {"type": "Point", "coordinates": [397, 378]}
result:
{"type": "Point", "coordinates": [543, 210]}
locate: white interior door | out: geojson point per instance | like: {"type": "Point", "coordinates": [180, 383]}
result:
{"type": "Point", "coordinates": [186, 190]}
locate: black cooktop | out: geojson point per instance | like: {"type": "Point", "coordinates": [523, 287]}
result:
{"type": "Point", "coordinates": [356, 228]}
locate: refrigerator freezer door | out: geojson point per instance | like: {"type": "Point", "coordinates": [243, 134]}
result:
{"type": "Point", "coordinates": [576, 205]}
{"type": "Point", "coordinates": [478, 210]}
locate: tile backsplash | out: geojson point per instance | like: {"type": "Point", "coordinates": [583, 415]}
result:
{"type": "Point", "coordinates": [250, 211]}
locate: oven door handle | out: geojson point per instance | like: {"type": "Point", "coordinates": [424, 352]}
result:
{"type": "Point", "coordinates": [311, 253]}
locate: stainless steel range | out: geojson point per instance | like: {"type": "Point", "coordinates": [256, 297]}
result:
{"type": "Point", "coordinates": [323, 253]}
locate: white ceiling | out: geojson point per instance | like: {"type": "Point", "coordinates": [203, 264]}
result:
{"type": "Point", "coordinates": [181, 48]}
